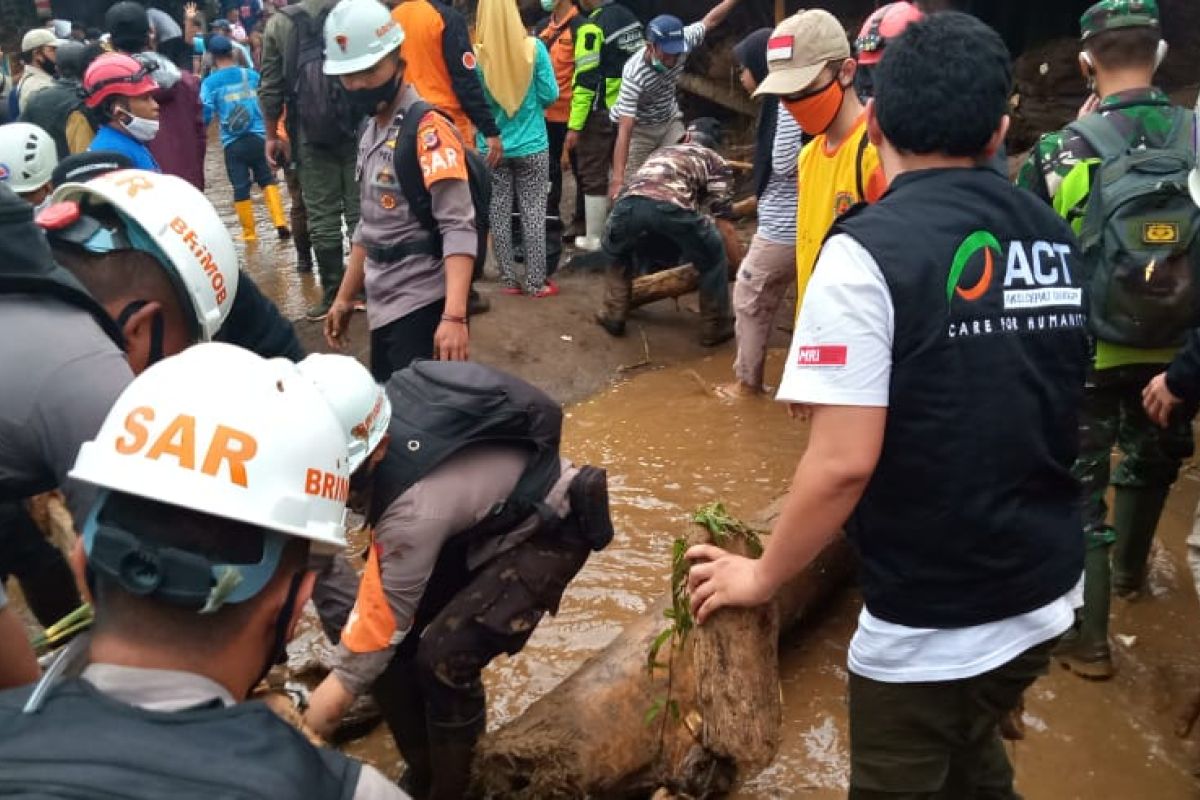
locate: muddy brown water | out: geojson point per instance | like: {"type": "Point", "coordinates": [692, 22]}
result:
{"type": "Point", "coordinates": [669, 446]}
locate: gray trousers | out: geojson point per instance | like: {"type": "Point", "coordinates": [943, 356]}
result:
{"type": "Point", "coordinates": [645, 139]}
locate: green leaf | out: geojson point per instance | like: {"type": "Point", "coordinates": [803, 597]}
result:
{"type": "Point", "coordinates": [656, 646]}
{"type": "Point", "coordinates": [653, 711]}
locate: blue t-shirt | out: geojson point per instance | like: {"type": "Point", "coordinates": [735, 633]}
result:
{"type": "Point", "coordinates": [230, 90]}
{"type": "Point", "coordinates": [109, 138]}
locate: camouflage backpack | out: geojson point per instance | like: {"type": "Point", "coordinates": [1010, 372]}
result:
{"type": "Point", "coordinates": [1141, 235]}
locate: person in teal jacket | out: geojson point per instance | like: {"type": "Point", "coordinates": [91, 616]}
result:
{"type": "Point", "coordinates": [519, 84]}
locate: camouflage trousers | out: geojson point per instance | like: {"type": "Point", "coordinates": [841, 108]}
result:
{"type": "Point", "coordinates": [1112, 415]}
{"type": "Point", "coordinates": [464, 620]}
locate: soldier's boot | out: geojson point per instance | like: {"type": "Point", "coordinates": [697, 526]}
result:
{"type": "Point", "coordinates": [1084, 650]}
{"type": "Point", "coordinates": [716, 321]}
{"type": "Point", "coordinates": [245, 215]}
{"type": "Point", "coordinates": [331, 267]}
{"type": "Point", "coordinates": [274, 203]}
{"type": "Point", "coordinates": [451, 749]}
{"type": "Point", "coordinates": [1136, 512]}
{"type": "Point", "coordinates": [618, 295]}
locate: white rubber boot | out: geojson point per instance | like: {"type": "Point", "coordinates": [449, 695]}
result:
{"type": "Point", "coordinates": [595, 213]}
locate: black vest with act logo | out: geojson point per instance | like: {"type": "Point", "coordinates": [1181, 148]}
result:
{"type": "Point", "coordinates": [82, 743]}
{"type": "Point", "coordinates": [972, 515]}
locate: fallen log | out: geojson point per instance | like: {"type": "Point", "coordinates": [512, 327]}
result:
{"type": "Point", "coordinates": [673, 282]}
{"type": "Point", "coordinates": [678, 281]}
{"type": "Point", "coordinates": [717, 721]}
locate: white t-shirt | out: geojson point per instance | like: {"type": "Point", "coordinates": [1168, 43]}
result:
{"type": "Point", "coordinates": [841, 354]}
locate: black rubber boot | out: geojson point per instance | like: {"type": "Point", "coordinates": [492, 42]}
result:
{"type": "Point", "coordinates": [451, 749]}
{"type": "Point", "coordinates": [403, 709]}
{"type": "Point", "coordinates": [1135, 518]}
{"type": "Point", "coordinates": [1084, 650]}
{"type": "Point", "coordinates": [331, 267]}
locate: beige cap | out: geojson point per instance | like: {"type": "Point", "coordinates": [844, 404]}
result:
{"type": "Point", "coordinates": [38, 37]}
{"type": "Point", "coordinates": [799, 48]}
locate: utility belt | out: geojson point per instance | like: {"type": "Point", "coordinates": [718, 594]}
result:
{"type": "Point", "coordinates": [588, 522]}
{"type": "Point", "coordinates": [425, 246]}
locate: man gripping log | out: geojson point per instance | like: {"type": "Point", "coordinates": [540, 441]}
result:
{"type": "Point", "coordinates": [944, 400]}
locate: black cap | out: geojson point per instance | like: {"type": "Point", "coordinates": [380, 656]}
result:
{"type": "Point", "coordinates": [705, 131]}
{"type": "Point", "coordinates": [129, 25]}
{"type": "Point", "coordinates": [87, 165]}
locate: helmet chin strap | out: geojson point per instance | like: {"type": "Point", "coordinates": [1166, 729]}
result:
{"type": "Point", "coordinates": [277, 654]}
{"type": "Point", "coordinates": [156, 329]}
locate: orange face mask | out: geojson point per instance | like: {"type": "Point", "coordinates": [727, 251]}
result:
{"type": "Point", "coordinates": [815, 112]}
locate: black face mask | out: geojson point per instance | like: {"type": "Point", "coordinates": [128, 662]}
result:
{"type": "Point", "coordinates": [367, 102]}
{"type": "Point", "coordinates": [47, 66]}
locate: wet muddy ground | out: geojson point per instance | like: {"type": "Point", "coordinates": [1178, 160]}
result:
{"type": "Point", "coordinates": [670, 445]}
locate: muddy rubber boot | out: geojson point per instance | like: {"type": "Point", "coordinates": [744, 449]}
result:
{"type": "Point", "coordinates": [331, 268]}
{"type": "Point", "coordinates": [274, 203]}
{"type": "Point", "coordinates": [595, 212]}
{"type": "Point", "coordinates": [1135, 518]}
{"type": "Point", "coordinates": [618, 294]}
{"type": "Point", "coordinates": [716, 323]}
{"type": "Point", "coordinates": [245, 215]}
{"type": "Point", "coordinates": [451, 749]}
{"type": "Point", "coordinates": [1085, 650]}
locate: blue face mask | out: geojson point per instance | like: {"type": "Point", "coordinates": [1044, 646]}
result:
{"type": "Point", "coordinates": [548, 5]}
{"type": "Point", "coordinates": [657, 65]}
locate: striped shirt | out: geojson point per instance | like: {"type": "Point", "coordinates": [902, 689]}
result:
{"type": "Point", "coordinates": [650, 96]}
{"type": "Point", "coordinates": [777, 206]}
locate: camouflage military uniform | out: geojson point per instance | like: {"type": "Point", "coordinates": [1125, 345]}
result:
{"type": "Point", "coordinates": [668, 198]}
{"type": "Point", "coordinates": [1060, 170]}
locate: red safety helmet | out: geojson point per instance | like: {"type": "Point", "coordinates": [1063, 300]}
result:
{"type": "Point", "coordinates": [885, 24]}
{"type": "Point", "coordinates": [116, 75]}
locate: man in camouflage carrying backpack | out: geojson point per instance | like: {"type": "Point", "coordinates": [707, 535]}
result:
{"type": "Point", "coordinates": [1119, 175]}
{"type": "Point", "coordinates": [324, 144]}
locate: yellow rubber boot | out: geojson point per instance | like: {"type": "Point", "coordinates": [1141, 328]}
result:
{"type": "Point", "coordinates": [275, 208]}
{"type": "Point", "coordinates": [245, 213]}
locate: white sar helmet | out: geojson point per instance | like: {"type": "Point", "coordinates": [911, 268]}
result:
{"type": "Point", "coordinates": [358, 34]}
{"type": "Point", "coordinates": [360, 404]}
{"type": "Point", "coordinates": [185, 228]}
{"type": "Point", "coordinates": [223, 431]}
{"type": "Point", "coordinates": [27, 157]}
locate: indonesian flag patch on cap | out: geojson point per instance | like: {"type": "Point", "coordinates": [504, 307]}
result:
{"type": "Point", "coordinates": [780, 48]}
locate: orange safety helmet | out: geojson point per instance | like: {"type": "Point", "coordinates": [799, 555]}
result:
{"type": "Point", "coordinates": [885, 24]}
{"type": "Point", "coordinates": [116, 75]}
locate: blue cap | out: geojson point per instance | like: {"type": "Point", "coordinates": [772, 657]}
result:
{"type": "Point", "coordinates": [219, 45]}
{"type": "Point", "coordinates": [666, 33]}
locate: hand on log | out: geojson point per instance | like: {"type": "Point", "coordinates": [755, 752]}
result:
{"type": "Point", "coordinates": [589, 737]}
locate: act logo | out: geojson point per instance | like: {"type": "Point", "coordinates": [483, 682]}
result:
{"type": "Point", "coordinates": [979, 240]}
{"type": "Point", "coordinates": [5, 173]}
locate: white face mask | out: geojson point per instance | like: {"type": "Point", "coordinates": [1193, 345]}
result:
{"type": "Point", "coordinates": [140, 128]}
